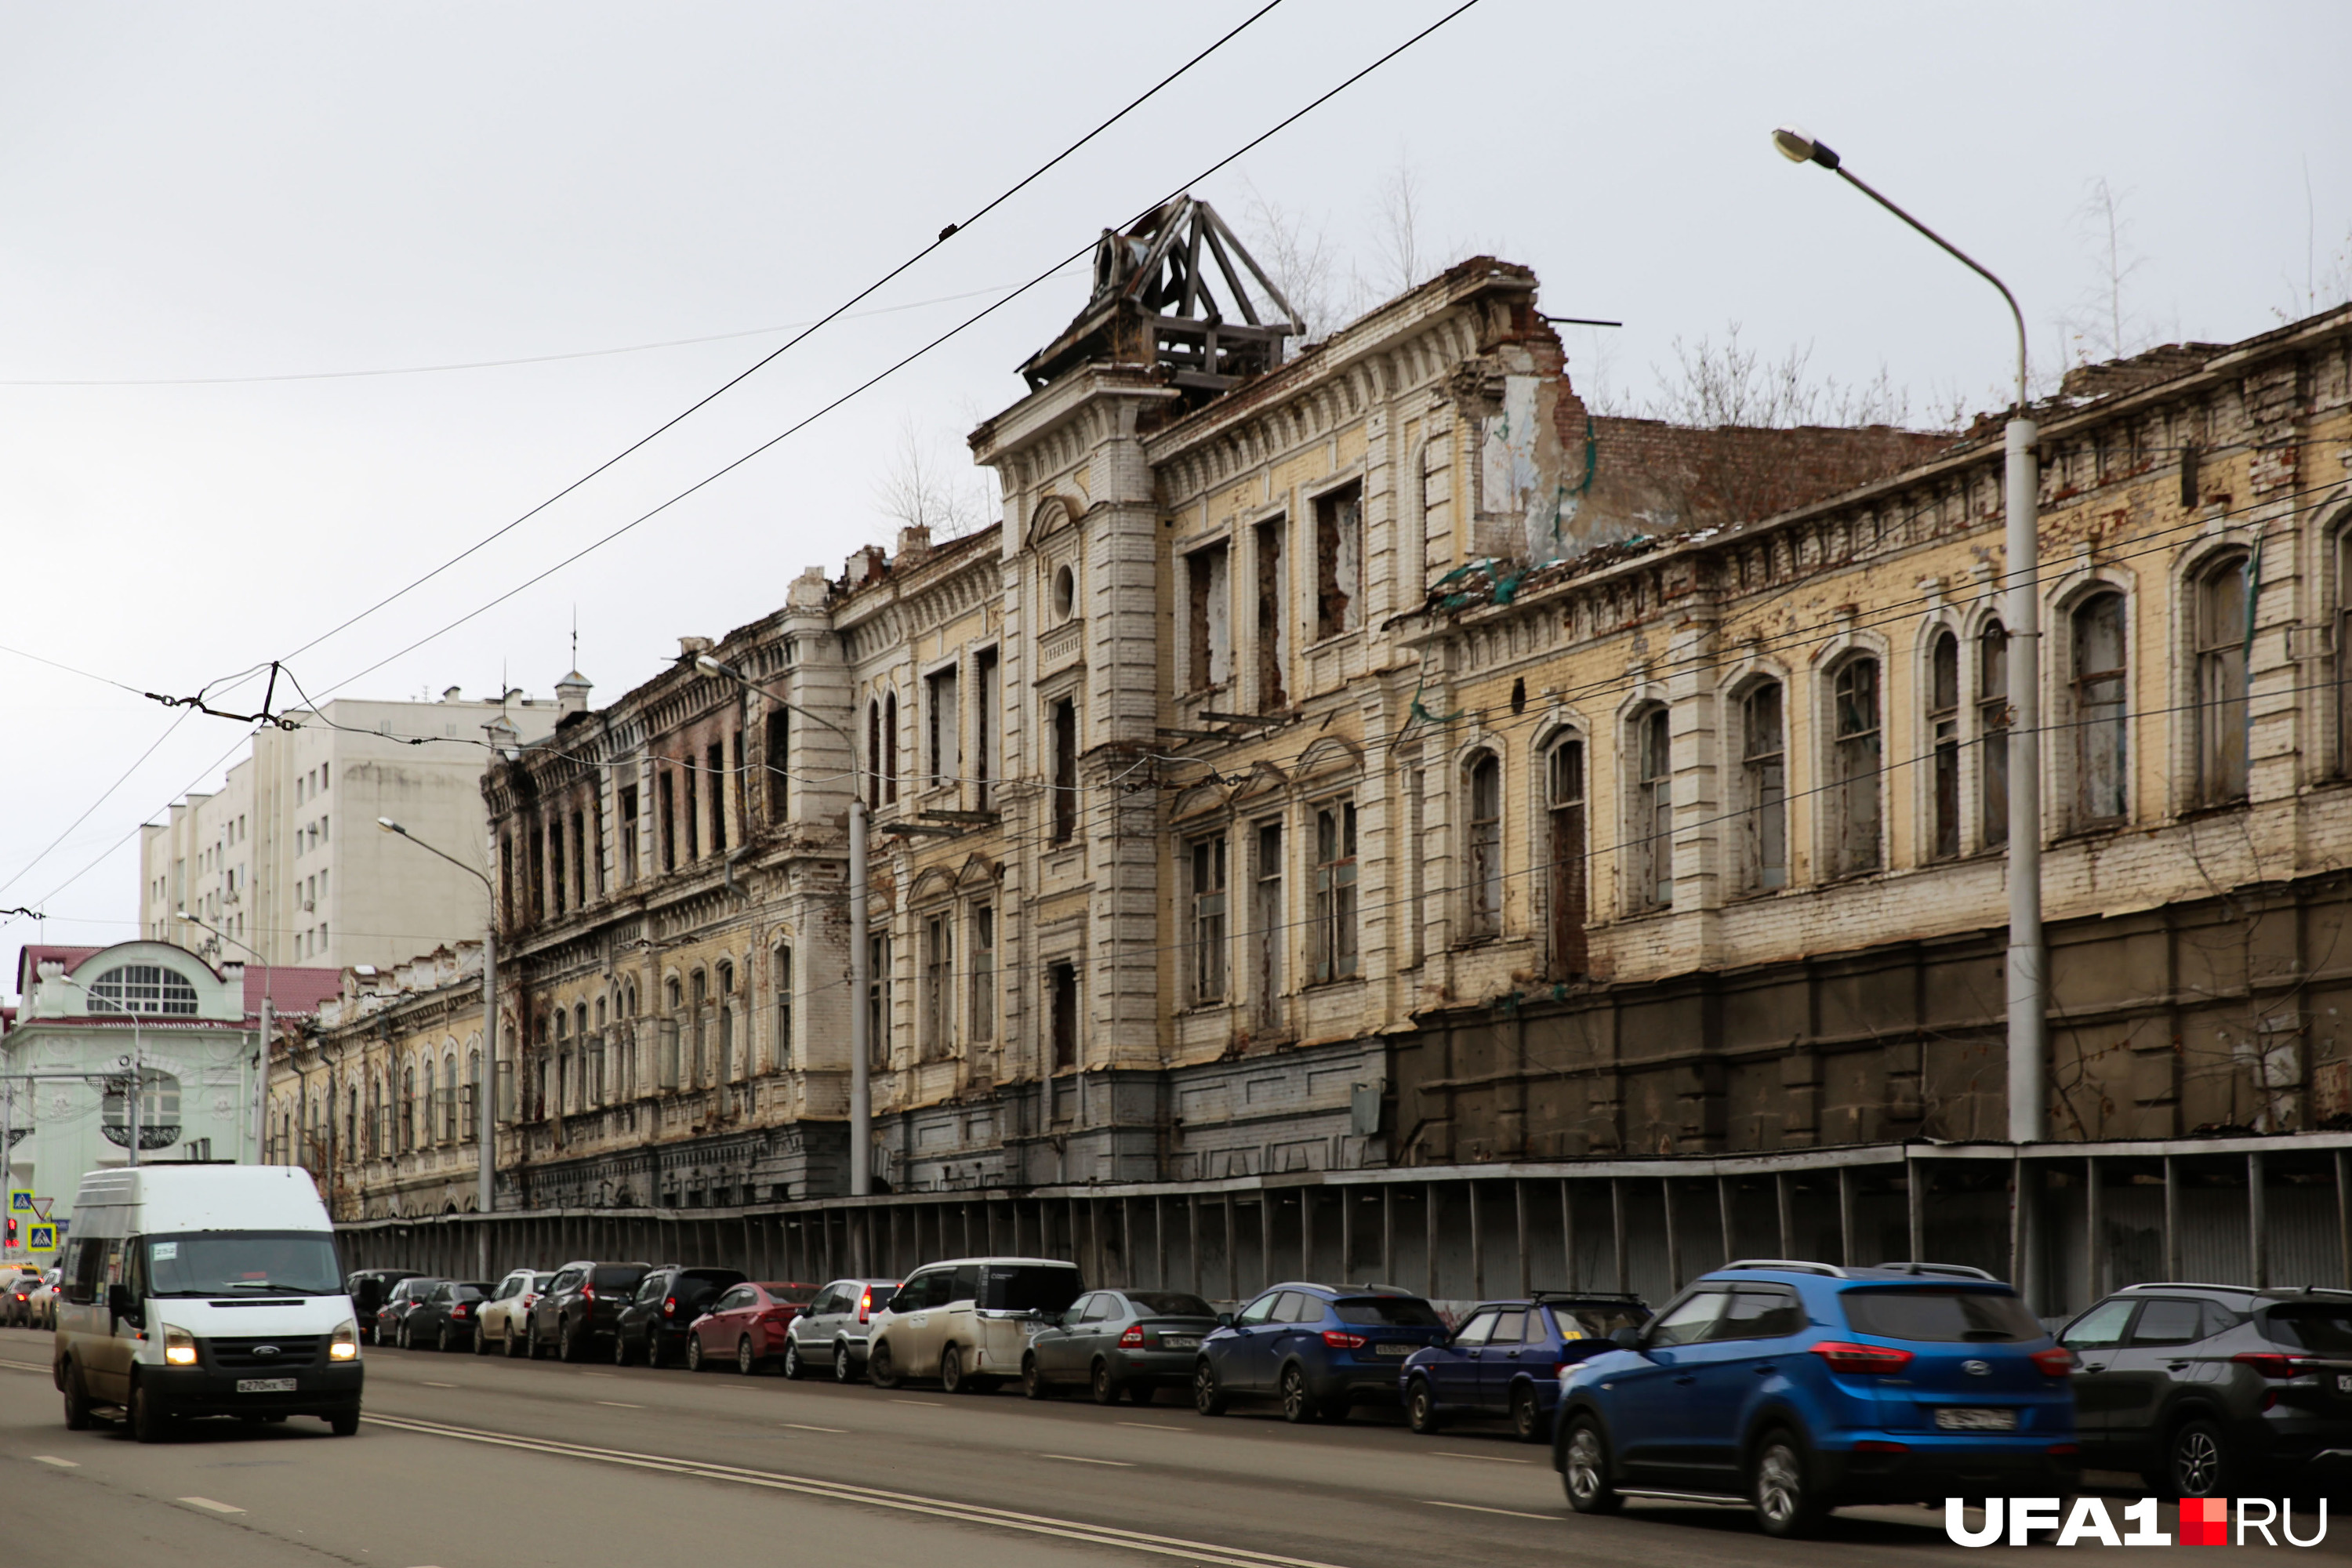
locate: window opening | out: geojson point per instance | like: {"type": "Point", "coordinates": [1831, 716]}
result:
{"type": "Point", "coordinates": [1208, 641]}
{"type": "Point", "coordinates": [1764, 783]}
{"type": "Point", "coordinates": [1855, 765]}
{"type": "Point", "coordinates": [2224, 631]}
{"type": "Point", "coordinates": [1273, 626]}
{"type": "Point", "coordinates": [1944, 735]}
{"type": "Point", "coordinates": [2100, 661]}
{"type": "Point", "coordinates": [1564, 800]}
{"type": "Point", "coordinates": [1992, 729]}
{"type": "Point", "coordinates": [1334, 891]}
{"type": "Point", "coordinates": [1483, 868]}
{"type": "Point", "coordinates": [1338, 561]}
{"type": "Point", "coordinates": [1653, 814]}
{"type": "Point", "coordinates": [1208, 887]}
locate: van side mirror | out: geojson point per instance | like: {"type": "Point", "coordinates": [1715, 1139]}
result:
{"type": "Point", "coordinates": [121, 1303]}
{"type": "Point", "coordinates": [1626, 1338]}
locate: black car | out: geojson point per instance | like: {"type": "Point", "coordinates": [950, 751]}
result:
{"type": "Point", "coordinates": [1110, 1342]}
{"type": "Point", "coordinates": [398, 1302]}
{"type": "Point", "coordinates": [367, 1290]}
{"type": "Point", "coordinates": [581, 1308]}
{"type": "Point", "coordinates": [447, 1318]}
{"type": "Point", "coordinates": [652, 1325]}
{"type": "Point", "coordinates": [2212, 1390]}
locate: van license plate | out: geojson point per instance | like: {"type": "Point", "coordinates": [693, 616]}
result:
{"type": "Point", "coordinates": [1960, 1418]}
{"type": "Point", "coordinates": [265, 1385]}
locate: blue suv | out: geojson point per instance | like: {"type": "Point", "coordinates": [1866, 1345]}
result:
{"type": "Point", "coordinates": [1318, 1349]}
{"type": "Point", "coordinates": [1507, 1359]}
{"type": "Point", "coordinates": [1805, 1386]}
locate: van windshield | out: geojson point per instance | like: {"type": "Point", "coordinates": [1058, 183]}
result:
{"type": "Point", "coordinates": [218, 1262]}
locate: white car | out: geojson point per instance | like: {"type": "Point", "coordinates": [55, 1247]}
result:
{"type": "Point", "coordinates": [505, 1318]}
{"type": "Point", "coordinates": [968, 1322]}
{"type": "Point", "coordinates": [41, 1306]}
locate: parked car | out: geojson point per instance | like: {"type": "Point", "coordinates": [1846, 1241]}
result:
{"type": "Point", "coordinates": [501, 1320]}
{"type": "Point", "coordinates": [2211, 1390]}
{"type": "Point", "coordinates": [367, 1290]}
{"type": "Point", "coordinates": [1805, 1386]}
{"type": "Point", "coordinates": [1321, 1350]}
{"type": "Point", "coordinates": [747, 1324]}
{"type": "Point", "coordinates": [446, 1319]}
{"type": "Point", "coordinates": [653, 1321]}
{"type": "Point", "coordinates": [1119, 1343]}
{"type": "Point", "coordinates": [42, 1305]}
{"type": "Point", "coordinates": [581, 1307]}
{"type": "Point", "coordinates": [1505, 1358]}
{"type": "Point", "coordinates": [831, 1329]}
{"type": "Point", "coordinates": [968, 1322]}
{"type": "Point", "coordinates": [398, 1302]}
{"type": "Point", "coordinates": [16, 1297]}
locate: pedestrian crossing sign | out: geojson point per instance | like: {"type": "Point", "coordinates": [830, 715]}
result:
{"type": "Point", "coordinates": [19, 1201]}
{"type": "Point", "coordinates": [40, 1238]}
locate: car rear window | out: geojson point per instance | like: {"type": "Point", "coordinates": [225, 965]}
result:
{"type": "Point", "coordinates": [798, 1295]}
{"type": "Point", "coordinates": [467, 1292]}
{"type": "Point", "coordinates": [1597, 1323]}
{"type": "Point", "coordinates": [1940, 1315]}
{"type": "Point", "coordinates": [1029, 1288]}
{"type": "Point", "coordinates": [542, 1281]}
{"type": "Point", "coordinates": [1170, 1304]}
{"type": "Point", "coordinates": [1399, 1311]}
{"type": "Point", "coordinates": [2320, 1327]}
{"type": "Point", "coordinates": [617, 1275]}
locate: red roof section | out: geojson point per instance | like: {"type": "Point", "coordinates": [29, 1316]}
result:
{"type": "Point", "coordinates": [293, 991]}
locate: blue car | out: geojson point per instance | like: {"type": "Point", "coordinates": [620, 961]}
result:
{"type": "Point", "coordinates": [1507, 1359]}
{"type": "Point", "coordinates": [1321, 1350]}
{"type": "Point", "coordinates": [1803, 1386]}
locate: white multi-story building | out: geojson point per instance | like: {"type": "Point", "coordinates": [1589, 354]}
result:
{"type": "Point", "coordinates": [285, 860]}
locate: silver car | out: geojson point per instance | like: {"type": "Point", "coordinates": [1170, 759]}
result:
{"type": "Point", "coordinates": [830, 1331]}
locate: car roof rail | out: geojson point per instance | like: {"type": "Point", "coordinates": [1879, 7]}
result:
{"type": "Point", "coordinates": [1794, 1265]}
{"type": "Point", "coordinates": [2185, 1284]}
{"type": "Point", "coordinates": [1585, 1296]}
{"type": "Point", "coordinates": [1957, 1270]}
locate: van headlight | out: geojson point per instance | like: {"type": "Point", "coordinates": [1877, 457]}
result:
{"type": "Point", "coordinates": [179, 1346]}
{"type": "Point", "coordinates": [345, 1345]}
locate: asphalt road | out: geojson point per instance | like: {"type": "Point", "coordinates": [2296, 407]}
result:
{"type": "Point", "coordinates": [466, 1460]}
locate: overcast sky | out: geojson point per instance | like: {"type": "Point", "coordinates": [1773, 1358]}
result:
{"type": "Point", "coordinates": [250, 190]}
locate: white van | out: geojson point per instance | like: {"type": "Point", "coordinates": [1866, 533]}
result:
{"type": "Point", "coordinates": [204, 1290]}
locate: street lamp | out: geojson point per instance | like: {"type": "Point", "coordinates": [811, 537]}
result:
{"type": "Point", "coordinates": [261, 1072]}
{"type": "Point", "coordinates": [2028, 1053]}
{"type": "Point", "coordinates": [861, 1086]}
{"type": "Point", "coordinates": [485, 1113]}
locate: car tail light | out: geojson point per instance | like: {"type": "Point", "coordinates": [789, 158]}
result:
{"type": "Point", "coordinates": [459, 1311]}
{"type": "Point", "coordinates": [669, 1308]}
{"type": "Point", "coordinates": [1134, 1336]}
{"type": "Point", "coordinates": [864, 1306]}
{"type": "Point", "coordinates": [587, 1292]}
{"type": "Point", "coordinates": [2274, 1363]}
{"type": "Point", "coordinates": [1341, 1340]}
{"type": "Point", "coordinates": [1878, 1359]}
{"type": "Point", "coordinates": [2056, 1361]}
{"type": "Point", "coordinates": [2062, 1448]}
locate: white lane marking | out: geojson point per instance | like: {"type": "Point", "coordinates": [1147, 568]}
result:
{"type": "Point", "coordinates": [1489, 1459]}
{"type": "Point", "coordinates": [618, 1405]}
{"type": "Point", "coordinates": [1196, 1551]}
{"type": "Point", "coordinates": [53, 1460]}
{"type": "Point", "coordinates": [1155, 1426]}
{"type": "Point", "coordinates": [431, 1384]}
{"type": "Point", "coordinates": [1082, 1459]}
{"type": "Point", "coordinates": [215, 1507]}
{"type": "Point", "coordinates": [1474, 1507]}
{"type": "Point", "coordinates": [926, 1403]}
{"type": "Point", "coordinates": [804, 1427]}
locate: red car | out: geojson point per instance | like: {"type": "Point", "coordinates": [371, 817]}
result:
{"type": "Point", "coordinates": [747, 1323]}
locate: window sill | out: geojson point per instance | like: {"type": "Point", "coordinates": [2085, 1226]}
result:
{"type": "Point", "coordinates": [1332, 984]}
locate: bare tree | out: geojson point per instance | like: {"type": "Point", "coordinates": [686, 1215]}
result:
{"type": "Point", "coordinates": [2103, 325]}
{"type": "Point", "coordinates": [924, 486]}
{"type": "Point", "coordinates": [2325, 284]}
{"type": "Point", "coordinates": [1297, 254]}
{"type": "Point", "coordinates": [1713, 385]}
{"type": "Point", "coordinates": [1396, 227]}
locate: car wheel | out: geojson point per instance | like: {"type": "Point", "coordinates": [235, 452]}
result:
{"type": "Point", "coordinates": [794, 1368]}
{"type": "Point", "coordinates": [77, 1400]}
{"type": "Point", "coordinates": [620, 1347]}
{"type": "Point", "coordinates": [1299, 1406]}
{"type": "Point", "coordinates": [1208, 1393]}
{"type": "Point", "coordinates": [481, 1340]}
{"type": "Point", "coordinates": [1421, 1408]}
{"type": "Point", "coordinates": [845, 1368]}
{"type": "Point", "coordinates": [1584, 1470]}
{"type": "Point", "coordinates": [441, 1340]}
{"type": "Point", "coordinates": [694, 1353]}
{"type": "Point", "coordinates": [344, 1426]}
{"type": "Point", "coordinates": [1785, 1504]}
{"type": "Point", "coordinates": [1526, 1415]}
{"type": "Point", "coordinates": [148, 1423]}
{"type": "Point", "coordinates": [2197, 1463]}
{"type": "Point", "coordinates": [952, 1377]}
{"type": "Point", "coordinates": [1141, 1392]}
{"type": "Point", "coordinates": [745, 1361]}
{"type": "Point", "coordinates": [402, 1338]}
{"type": "Point", "coordinates": [881, 1367]}
{"type": "Point", "coordinates": [511, 1342]}
{"type": "Point", "coordinates": [567, 1345]}
{"type": "Point", "coordinates": [1100, 1383]}
{"type": "Point", "coordinates": [1033, 1382]}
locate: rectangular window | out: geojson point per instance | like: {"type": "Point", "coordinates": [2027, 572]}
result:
{"type": "Point", "coordinates": [1855, 765]}
{"type": "Point", "coordinates": [1764, 781]}
{"type": "Point", "coordinates": [1062, 1001]}
{"type": "Point", "coordinates": [1564, 800]}
{"type": "Point", "coordinates": [943, 722]}
{"type": "Point", "coordinates": [628, 867]}
{"type": "Point", "coordinates": [878, 998]}
{"type": "Point", "coordinates": [1338, 561]}
{"type": "Point", "coordinates": [777, 754]}
{"type": "Point", "coordinates": [784, 980]}
{"type": "Point", "coordinates": [984, 973]}
{"type": "Point", "coordinates": [1273, 624]}
{"type": "Point", "coordinates": [938, 986]}
{"type": "Point", "coordinates": [692, 812]}
{"type": "Point", "coordinates": [1208, 895]}
{"type": "Point", "coordinates": [1650, 819]}
{"type": "Point", "coordinates": [697, 995]}
{"type": "Point", "coordinates": [984, 767]}
{"type": "Point", "coordinates": [578, 861]}
{"type": "Point", "coordinates": [2225, 631]}
{"type": "Point", "coordinates": [555, 863]}
{"type": "Point", "coordinates": [1334, 891]}
{"type": "Point", "coordinates": [715, 765]}
{"type": "Point", "coordinates": [1208, 641]}
{"type": "Point", "coordinates": [2100, 667]}
{"type": "Point", "coordinates": [1066, 770]}
{"type": "Point", "coordinates": [666, 789]}
{"type": "Point", "coordinates": [1944, 735]}
{"type": "Point", "coordinates": [729, 1067]}
{"type": "Point", "coordinates": [1992, 729]}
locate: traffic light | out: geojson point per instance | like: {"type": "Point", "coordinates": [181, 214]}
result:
{"type": "Point", "coordinates": [11, 1231]}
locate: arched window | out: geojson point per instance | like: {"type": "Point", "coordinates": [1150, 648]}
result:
{"type": "Point", "coordinates": [1650, 812]}
{"type": "Point", "coordinates": [407, 1109]}
{"type": "Point", "coordinates": [873, 753]}
{"type": "Point", "coordinates": [1763, 788]}
{"type": "Point", "coordinates": [2343, 651]}
{"type": "Point", "coordinates": [889, 746]}
{"type": "Point", "coordinates": [2224, 630]}
{"type": "Point", "coordinates": [2099, 668]}
{"type": "Point", "coordinates": [1482, 871]}
{"type": "Point", "coordinates": [1564, 808]}
{"type": "Point", "coordinates": [143, 988]}
{"type": "Point", "coordinates": [562, 1061]}
{"type": "Point", "coordinates": [1855, 745]}
{"type": "Point", "coordinates": [781, 1053]}
{"type": "Point", "coordinates": [725, 974]}
{"type": "Point", "coordinates": [1944, 739]}
{"type": "Point", "coordinates": [426, 1133]}
{"type": "Point", "coordinates": [1993, 730]}
{"type": "Point", "coordinates": [698, 999]}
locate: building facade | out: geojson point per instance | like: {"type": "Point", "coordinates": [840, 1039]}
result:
{"type": "Point", "coordinates": [283, 864]}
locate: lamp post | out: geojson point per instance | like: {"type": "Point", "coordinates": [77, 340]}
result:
{"type": "Point", "coordinates": [861, 1086]}
{"type": "Point", "coordinates": [261, 1070]}
{"type": "Point", "coordinates": [485, 1112]}
{"type": "Point", "coordinates": [2028, 1008]}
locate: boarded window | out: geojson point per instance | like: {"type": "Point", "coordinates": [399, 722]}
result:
{"type": "Point", "coordinates": [2100, 668]}
{"type": "Point", "coordinates": [1338, 561]}
{"type": "Point", "coordinates": [2225, 630]}
{"type": "Point", "coordinates": [1267, 924]}
{"type": "Point", "coordinates": [1649, 882]}
{"type": "Point", "coordinates": [1483, 858]}
{"type": "Point", "coordinates": [1066, 770]}
{"type": "Point", "coordinates": [1564, 806]}
{"type": "Point", "coordinates": [984, 973]}
{"type": "Point", "coordinates": [1273, 626]}
{"type": "Point", "coordinates": [1764, 788]}
{"type": "Point", "coordinates": [1336, 956]}
{"type": "Point", "coordinates": [943, 722]}
{"type": "Point", "coordinates": [2343, 652]}
{"type": "Point", "coordinates": [1208, 640]}
{"type": "Point", "coordinates": [1944, 737]}
{"type": "Point", "coordinates": [988, 690]}
{"type": "Point", "coordinates": [1992, 729]}
{"type": "Point", "coordinates": [1207, 892]}
{"type": "Point", "coordinates": [1856, 763]}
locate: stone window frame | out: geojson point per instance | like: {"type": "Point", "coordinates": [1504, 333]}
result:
{"type": "Point", "coordinates": [2328, 642]}
{"type": "Point", "coordinates": [1309, 510]}
{"type": "Point", "coordinates": [785, 1018]}
{"type": "Point", "coordinates": [1475, 851]}
{"type": "Point", "coordinates": [1820, 748]}
{"type": "Point", "coordinates": [1190, 649]}
{"type": "Point", "coordinates": [1559, 727]}
{"type": "Point", "coordinates": [2195, 656]}
{"type": "Point", "coordinates": [2063, 736]}
{"type": "Point", "coordinates": [1637, 851]}
{"type": "Point", "coordinates": [1744, 878]}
